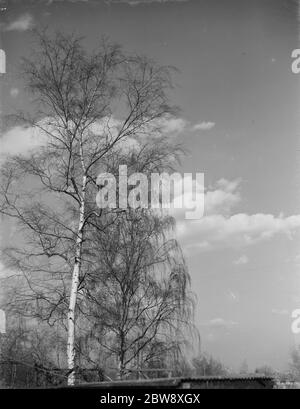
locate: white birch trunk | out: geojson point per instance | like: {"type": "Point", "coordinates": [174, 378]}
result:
{"type": "Point", "coordinates": [121, 369]}
{"type": "Point", "coordinates": [74, 290]}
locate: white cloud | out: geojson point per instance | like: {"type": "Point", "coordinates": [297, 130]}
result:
{"type": "Point", "coordinates": [204, 126]}
{"type": "Point", "coordinates": [14, 92]}
{"type": "Point", "coordinates": [219, 199]}
{"type": "Point", "coordinates": [223, 197]}
{"type": "Point", "coordinates": [2, 322]}
{"type": "Point", "coordinates": [23, 139]}
{"type": "Point", "coordinates": [221, 227]}
{"type": "Point", "coordinates": [280, 312]}
{"type": "Point", "coordinates": [2, 61]}
{"type": "Point", "coordinates": [241, 260]}
{"type": "Point", "coordinates": [219, 323]}
{"type": "Point", "coordinates": [169, 125]}
{"type": "Point", "coordinates": [20, 140]}
{"type": "Point", "coordinates": [22, 23]}
{"type": "Point", "coordinates": [234, 231]}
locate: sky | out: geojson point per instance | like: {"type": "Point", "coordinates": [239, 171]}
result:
{"type": "Point", "coordinates": [239, 122]}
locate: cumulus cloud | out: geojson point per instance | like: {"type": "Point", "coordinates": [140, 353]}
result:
{"type": "Point", "coordinates": [2, 61]}
{"type": "Point", "coordinates": [241, 260]}
{"type": "Point", "coordinates": [221, 226]}
{"type": "Point", "coordinates": [219, 323]}
{"type": "Point", "coordinates": [23, 23]}
{"type": "Point", "coordinates": [168, 125]}
{"type": "Point", "coordinates": [2, 322]}
{"type": "Point", "coordinates": [14, 92]}
{"type": "Point", "coordinates": [223, 197]}
{"type": "Point", "coordinates": [235, 231]}
{"type": "Point", "coordinates": [22, 139]}
{"type": "Point", "coordinates": [203, 126]}
{"type": "Point", "coordinates": [218, 199]}
{"type": "Point", "coordinates": [280, 311]}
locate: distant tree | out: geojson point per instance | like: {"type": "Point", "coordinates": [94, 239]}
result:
{"type": "Point", "coordinates": [265, 370]}
{"type": "Point", "coordinates": [244, 369]}
{"type": "Point", "coordinates": [31, 356]}
{"type": "Point", "coordinates": [295, 363]}
{"type": "Point", "coordinates": [206, 365]}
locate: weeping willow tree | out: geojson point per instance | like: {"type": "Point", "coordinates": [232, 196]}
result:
{"type": "Point", "coordinates": [136, 303]}
{"type": "Point", "coordinates": [136, 292]}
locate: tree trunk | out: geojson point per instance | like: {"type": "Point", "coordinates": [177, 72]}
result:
{"type": "Point", "coordinates": [121, 357]}
{"type": "Point", "coordinates": [74, 290]}
{"type": "Point", "coordinates": [122, 369]}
